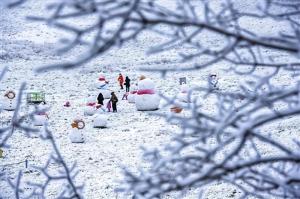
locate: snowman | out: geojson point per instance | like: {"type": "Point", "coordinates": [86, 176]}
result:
{"type": "Point", "coordinates": [9, 102]}
{"type": "Point", "coordinates": [76, 135]}
{"type": "Point", "coordinates": [132, 94]}
{"type": "Point", "coordinates": [146, 99]}
{"type": "Point", "coordinates": [100, 121]}
{"type": "Point", "coordinates": [41, 117]}
{"type": "Point", "coordinates": [91, 107]}
{"type": "Point", "coordinates": [213, 81]}
{"type": "Point", "coordinates": [183, 96]}
{"type": "Point", "coordinates": [102, 84]}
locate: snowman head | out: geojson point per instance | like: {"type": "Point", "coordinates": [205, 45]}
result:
{"type": "Point", "coordinates": [78, 123]}
{"type": "Point", "coordinates": [101, 77]}
{"type": "Point", "coordinates": [10, 94]}
{"type": "Point", "coordinates": [146, 84]}
{"type": "Point", "coordinates": [142, 77]}
{"type": "Point", "coordinates": [90, 100]}
{"type": "Point", "coordinates": [213, 76]}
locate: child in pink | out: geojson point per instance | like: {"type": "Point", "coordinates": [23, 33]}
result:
{"type": "Point", "coordinates": [108, 106]}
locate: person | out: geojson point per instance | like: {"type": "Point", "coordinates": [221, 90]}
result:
{"type": "Point", "coordinates": [121, 80]}
{"type": "Point", "coordinates": [108, 105]}
{"type": "Point", "coordinates": [114, 101]}
{"type": "Point", "coordinates": [100, 99]}
{"type": "Point", "coordinates": [127, 83]}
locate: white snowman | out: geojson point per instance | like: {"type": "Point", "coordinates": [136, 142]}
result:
{"type": "Point", "coordinates": [9, 101]}
{"type": "Point", "coordinates": [100, 121]}
{"type": "Point", "coordinates": [146, 99]}
{"type": "Point", "coordinates": [131, 96]}
{"type": "Point", "coordinates": [91, 107]}
{"type": "Point", "coordinates": [41, 117]}
{"type": "Point", "coordinates": [183, 96]}
{"type": "Point", "coordinates": [213, 81]}
{"type": "Point", "coordinates": [102, 85]}
{"type": "Point", "coordinates": [76, 135]}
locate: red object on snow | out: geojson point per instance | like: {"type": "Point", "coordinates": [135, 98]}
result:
{"type": "Point", "coordinates": [176, 109]}
{"type": "Point", "coordinates": [121, 79]}
{"type": "Point", "coordinates": [98, 106]}
{"type": "Point", "coordinates": [91, 104]}
{"type": "Point", "coordinates": [133, 92]}
{"type": "Point", "coordinates": [67, 104]}
{"type": "Point", "coordinates": [145, 91]}
{"type": "Point", "coordinates": [101, 78]}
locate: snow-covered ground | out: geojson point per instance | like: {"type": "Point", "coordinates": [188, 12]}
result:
{"type": "Point", "coordinates": [27, 45]}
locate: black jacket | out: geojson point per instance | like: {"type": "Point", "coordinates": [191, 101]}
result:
{"type": "Point", "coordinates": [127, 81]}
{"type": "Point", "coordinates": [100, 98]}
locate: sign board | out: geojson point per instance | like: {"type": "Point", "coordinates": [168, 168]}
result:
{"type": "Point", "coordinates": [182, 80]}
{"type": "Point", "coordinates": [35, 97]}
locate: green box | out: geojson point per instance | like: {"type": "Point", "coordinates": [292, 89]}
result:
{"type": "Point", "coordinates": [35, 97]}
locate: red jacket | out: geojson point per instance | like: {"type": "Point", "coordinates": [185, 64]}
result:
{"type": "Point", "coordinates": [121, 79]}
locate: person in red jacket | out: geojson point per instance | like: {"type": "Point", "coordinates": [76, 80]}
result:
{"type": "Point", "coordinates": [121, 80]}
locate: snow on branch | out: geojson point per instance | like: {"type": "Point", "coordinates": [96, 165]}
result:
{"type": "Point", "coordinates": [225, 147]}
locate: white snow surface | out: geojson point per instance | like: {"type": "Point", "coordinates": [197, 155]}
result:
{"type": "Point", "coordinates": [27, 45]}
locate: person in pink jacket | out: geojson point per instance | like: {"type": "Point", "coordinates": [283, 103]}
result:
{"type": "Point", "coordinates": [108, 105]}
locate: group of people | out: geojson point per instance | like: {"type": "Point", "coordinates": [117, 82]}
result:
{"type": "Point", "coordinates": [122, 82]}
{"type": "Point", "coordinates": [112, 103]}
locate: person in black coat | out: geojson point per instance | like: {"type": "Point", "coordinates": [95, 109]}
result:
{"type": "Point", "coordinates": [127, 83]}
{"type": "Point", "coordinates": [100, 99]}
{"type": "Point", "coordinates": [114, 101]}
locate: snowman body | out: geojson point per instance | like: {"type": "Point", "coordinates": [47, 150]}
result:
{"type": "Point", "coordinates": [146, 99]}
{"type": "Point", "coordinates": [40, 119]}
{"type": "Point", "coordinates": [9, 104]}
{"type": "Point", "coordinates": [91, 107]}
{"type": "Point", "coordinates": [183, 96]}
{"type": "Point", "coordinates": [102, 85]}
{"type": "Point", "coordinates": [76, 136]}
{"type": "Point", "coordinates": [89, 110]}
{"type": "Point", "coordinates": [131, 97]}
{"type": "Point", "coordinates": [92, 110]}
{"type": "Point", "coordinates": [100, 121]}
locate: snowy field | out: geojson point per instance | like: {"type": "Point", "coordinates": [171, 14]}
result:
{"type": "Point", "coordinates": [27, 45]}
